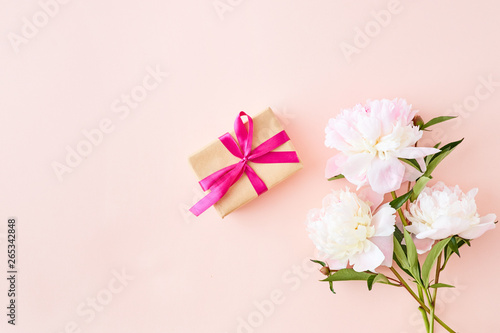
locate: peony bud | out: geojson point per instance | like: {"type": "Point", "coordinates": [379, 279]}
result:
{"type": "Point", "coordinates": [325, 270]}
{"type": "Point", "coordinates": [418, 121]}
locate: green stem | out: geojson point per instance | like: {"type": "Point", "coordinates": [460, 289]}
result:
{"type": "Point", "coordinates": [433, 316]}
{"type": "Point", "coordinates": [433, 298]}
{"type": "Point", "coordinates": [424, 316]}
{"type": "Point", "coordinates": [407, 287]}
{"type": "Point", "coordinates": [420, 293]}
{"type": "Point", "coordinates": [409, 188]}
{"type": "Point", "coordinates": [422, 311]}
{"type": "Point", "coordinates": [400, 212]}
{"type": "Point", "coordinates": [422, 304]}
{"type": "Point", "coordinates": [436, 279]}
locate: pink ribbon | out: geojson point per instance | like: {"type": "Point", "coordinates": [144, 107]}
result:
{"type": "Point", "coordinates": [220, 181]}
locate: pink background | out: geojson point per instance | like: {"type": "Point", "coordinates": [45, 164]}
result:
{"type": "Point", "coordinates": [124, 207]}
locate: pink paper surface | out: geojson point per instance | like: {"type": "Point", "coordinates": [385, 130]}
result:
{"type": "Point", "coordinates": [106, 244]}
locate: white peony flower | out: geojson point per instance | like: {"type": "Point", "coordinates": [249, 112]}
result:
{"type": "Point", "coordinates": [346, 230]}
{"type": "Point", "coordinates": [371, 139]}
{"type": "Point", "coordinates": [440, 212]}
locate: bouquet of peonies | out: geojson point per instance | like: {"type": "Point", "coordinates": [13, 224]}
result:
{"type": "Point", "coordinates": [355, 232]}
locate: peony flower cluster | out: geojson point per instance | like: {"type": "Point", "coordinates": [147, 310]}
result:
{"type": "Point", "coordinates": [347, 230]}
{"type": "Point", "coordinates": [440, 212]}
{"type": "Point", "coordinates": [371, 139]}
{"type": "Point", "coordinates": [355, 233]}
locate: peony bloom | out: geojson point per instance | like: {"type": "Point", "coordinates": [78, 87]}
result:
{"type": "Point", "coordinates": [346, 230]}
{"type": "Point", "coordinates": [440, 212]}
{"type": "Point", "coordinates": [370, 139]}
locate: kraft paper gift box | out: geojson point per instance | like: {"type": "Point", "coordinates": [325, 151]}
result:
{"type": "Point", "coordinates": [216, 156]}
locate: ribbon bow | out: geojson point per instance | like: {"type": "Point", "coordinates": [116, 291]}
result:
{"type": "Point", "coordinates": [220, 181]}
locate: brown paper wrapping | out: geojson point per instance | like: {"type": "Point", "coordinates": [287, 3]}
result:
{"type": "Point", "coordinates": [215, 157]}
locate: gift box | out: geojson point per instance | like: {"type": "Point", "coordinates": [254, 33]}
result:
{"type": "Point", "coordinates": [244, 163]}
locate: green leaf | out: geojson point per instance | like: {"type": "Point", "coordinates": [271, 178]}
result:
{"type": "Point", "coordinates": [413, 162]}
{"type": "Point", "coordinates": [411, 251]}
{"type": "Point", "coordinates": [441, 285]}
{"type": "Point", "coordinates": [400, 264]}
{"type": "Point", "coordinates": [370, 281]}
{"type": "Point", "coordinates": [428, 157]}
{"type": "Point", "coordinates": [400, 201]}
{"type": "Point", "coordinates": [419, 186]}
{"type": "Point", "coordinates": [331, 287]}
{"type": "Point", "coordinates": [431, 259]}
{"type": "Point", "coordinates": [318, 262]}
{"type": "Point", "coordinates": [400, 255]}
{"type": "Point", "coordinates": [380, 278]}
{"type": "Point", "coordinates": [336, 177]}
{"type": "Point", "coordinates": [447, 255]}
{"type": "Point", "coordinates": [398, 234]}
{"type": "Point", "coordinates": [436, 120]}
{"type": "Point", "coordinates": [454, 245]}
{"type": "Point", "coordinates": [348, 274]}
{"type": "Point", "coordinates": [438, 157]}
{"type": "Point", "coordinates": [448, 251]}
{"type": "Point", "coordinates": [450, 146]}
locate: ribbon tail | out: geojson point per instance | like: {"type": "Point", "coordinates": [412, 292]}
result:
{"type": "Point", "coordinates": [218, 176]}
{"type": "Point", "coordinates": [208, 200]}
{"type": "Point", "coordinates": [257, 183]}
{"type": "Point", "coordinates": [218, 190]}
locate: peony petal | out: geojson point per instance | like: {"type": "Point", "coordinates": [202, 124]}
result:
{"type": "Point", "coordinates": [490, 218]}
{"type": "Point", "coordinates": [368, 195]}
{"type": "Point", "coordinates": [386, 175]}
{"type": "Point", "coordinates": [345, 131]}
{"type": "Point", "coordinates": [334, 165]}
{"type": "Point", "coordinates": [450, 225]}
{"type": "Point", "coordinates": [411, 174]}
{"type": "Point", "coordinates": [389, 142]}
{"type": "Point", "coordinates": [424, 234]}
{"type": "Point", "coordinates": [476, 231]}
{"type": "Point", "coordinates": [384, 221]}
{"type": "Point", "coordinates": [423, 245]}
{"type": "Point", "coordinates": [403, 110]}
{"type": "Point", "coordinates": [472, 193]}
{"type": "Point", "coordinates": [370, 127]}
{"type": "Point", "coordinates": [356, 167]}
{"type": "Point", "coordinates": [445, 226]}
{"type": "Point", "coordinates": [486, 223]}
{"type": "Point", "coordinates": [421, 163]}
{"type": "Point", "coordinates": [335, 140]}
{"type": "Point", "coordinates": [416, 228]}
{"type": "Point", "coordinates": [416, 152]}
{"type": "Point", "coordinates": [336, 264]}
{"type": "Point", "coordinates": [371, 258]}
{"type": "Point", "coordinates": [386, 245]}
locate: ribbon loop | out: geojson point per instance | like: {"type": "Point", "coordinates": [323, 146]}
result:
{"type": "Point", "coordinates": [231, 145]}
{"type": "Point", "coordinates": [220, 181]}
